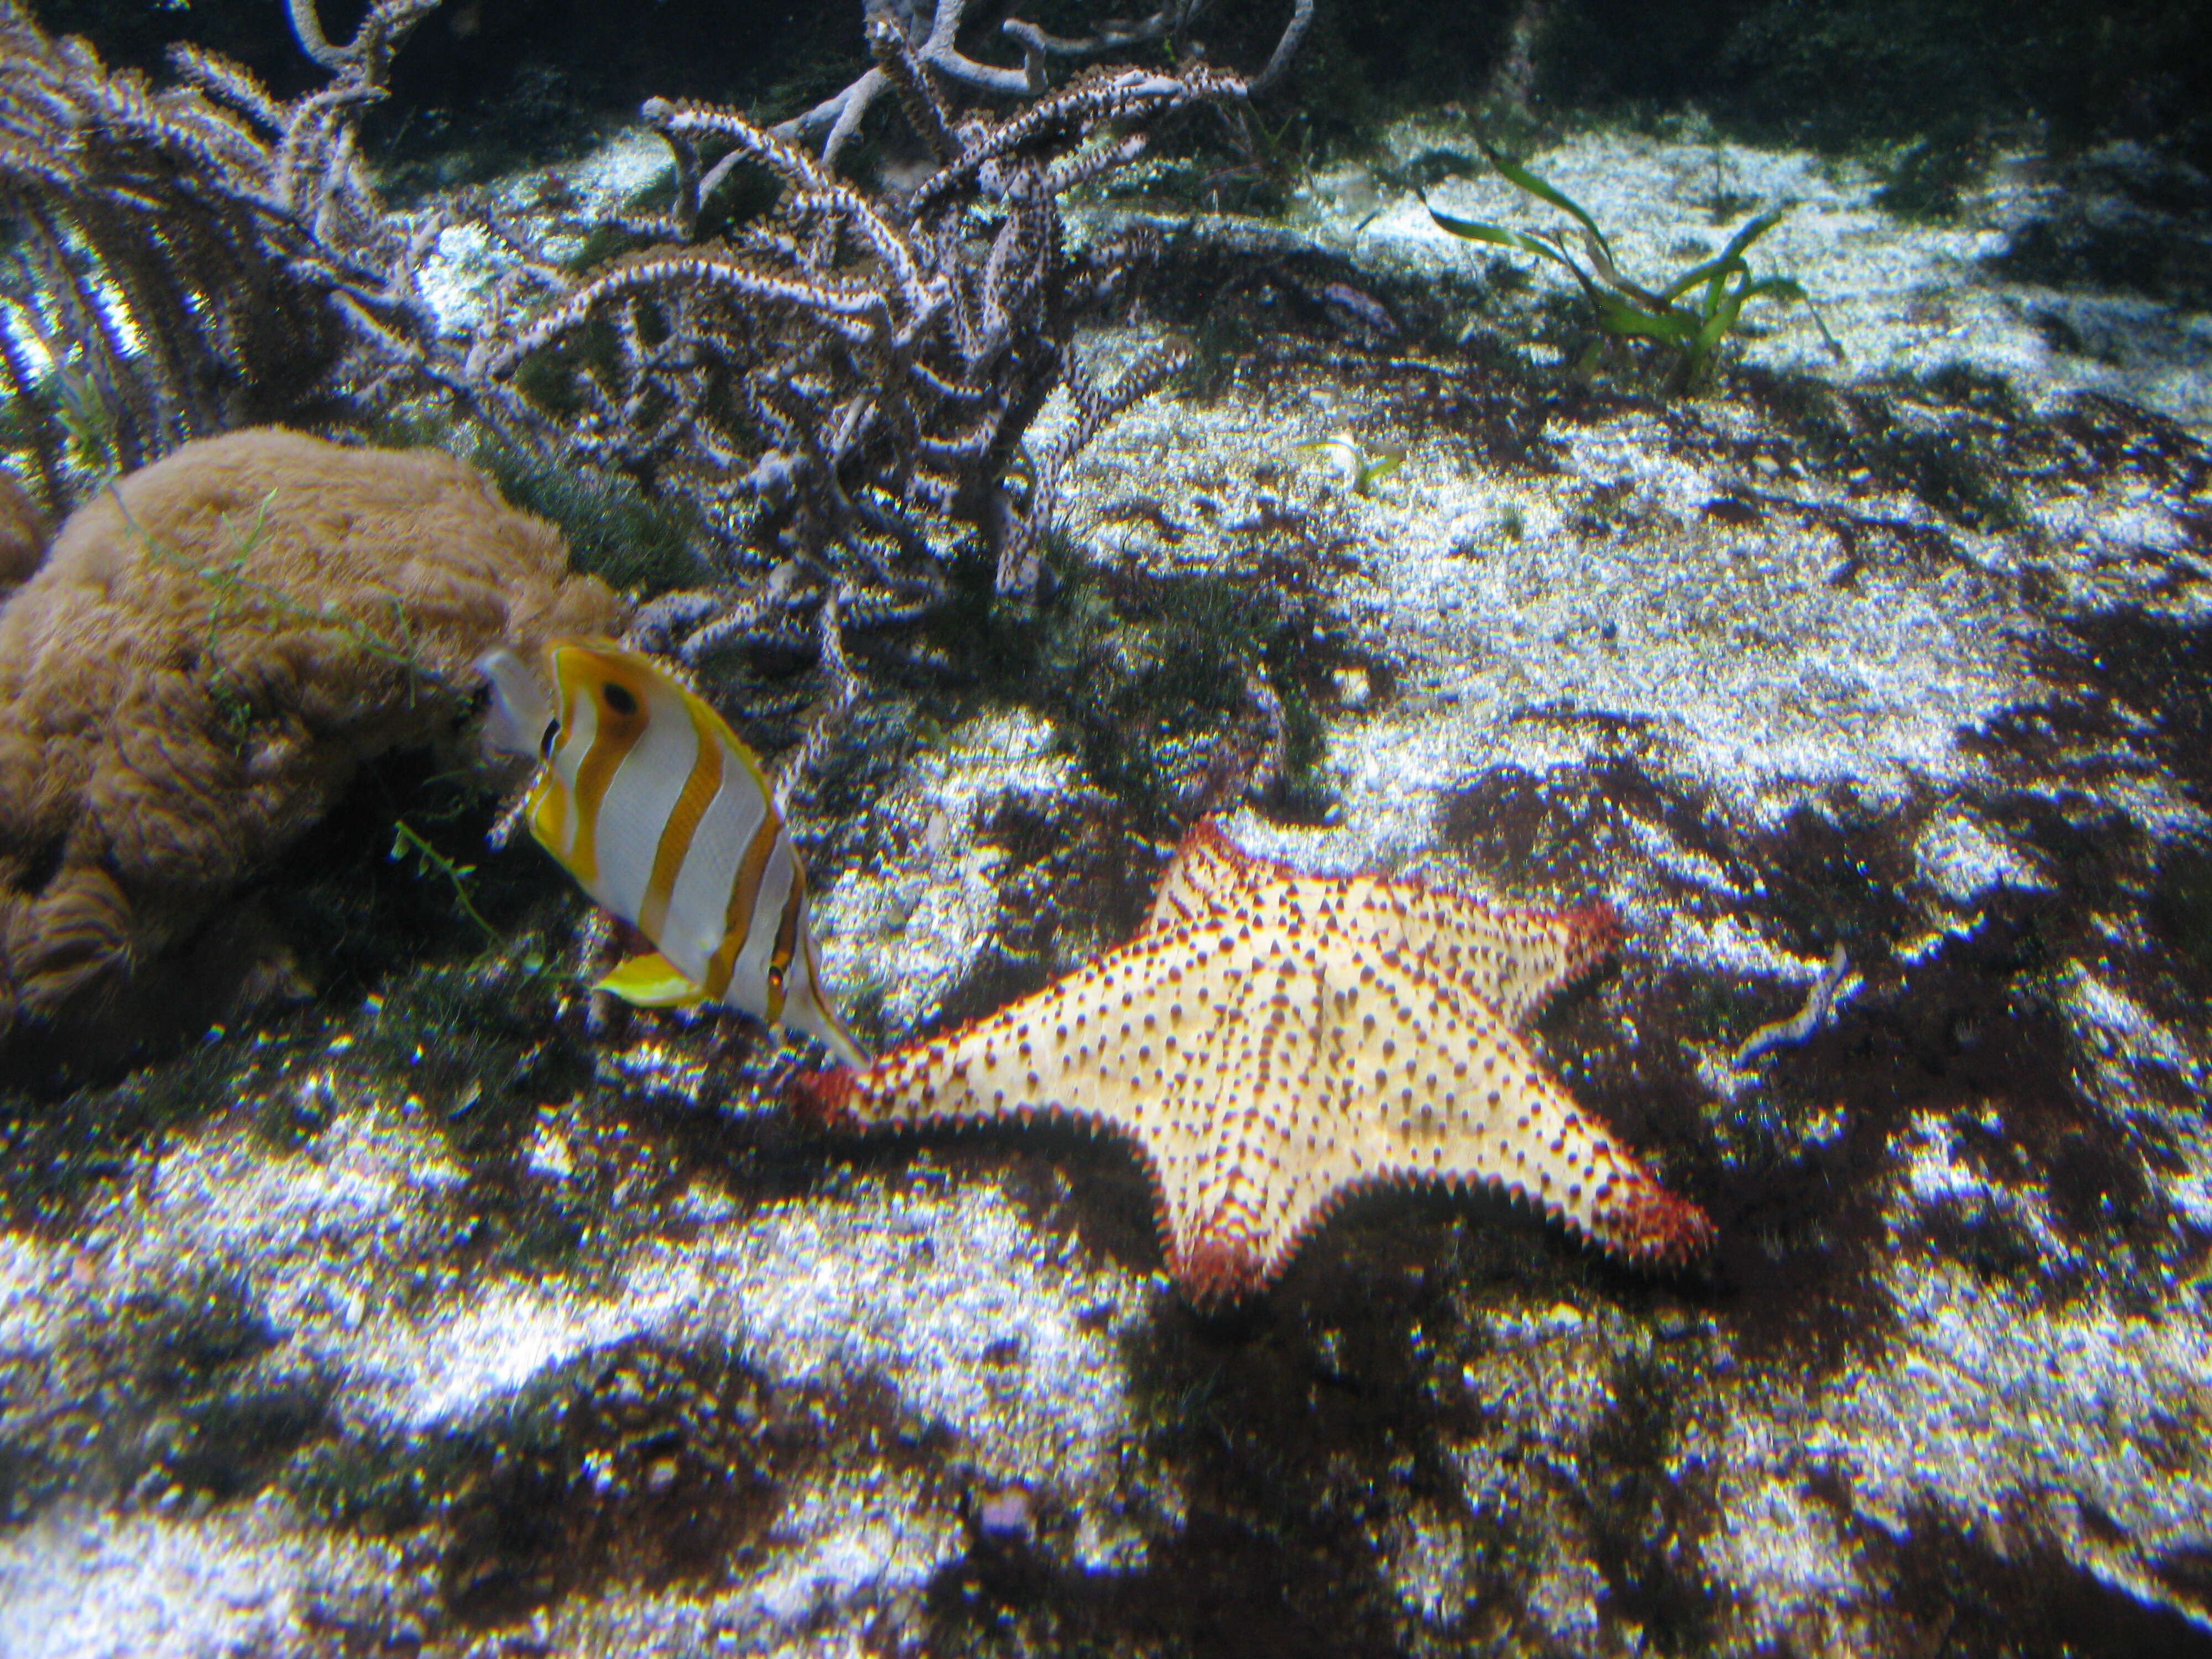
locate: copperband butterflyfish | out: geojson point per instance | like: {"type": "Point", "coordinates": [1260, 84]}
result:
{"type": "Point", "coordinates": [660, 812]}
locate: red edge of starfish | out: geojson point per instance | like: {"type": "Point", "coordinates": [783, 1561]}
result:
{"type": "Point", "coordinates": [1218, 1272]}
{"type": "Point", "coordinates": [1597, 923]}
{"type": "Point", "coordinates": [1595, 933]}
{"type": "Point", "coordinates": [1659, 1232]}
{"type": "Point", "coordinates": [822, 1100]}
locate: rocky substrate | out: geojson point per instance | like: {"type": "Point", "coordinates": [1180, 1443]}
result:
{"type": "Point", "coordinates": [448, 1313]}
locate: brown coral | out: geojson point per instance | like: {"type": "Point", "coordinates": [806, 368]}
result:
{"type": "Point", "coordinates": [23, 533]}
{"type": "Point", "coordinates": [208, 651]}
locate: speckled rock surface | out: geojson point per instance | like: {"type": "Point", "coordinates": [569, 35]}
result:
{"type": "Point", "coordinates": [452, 1314]}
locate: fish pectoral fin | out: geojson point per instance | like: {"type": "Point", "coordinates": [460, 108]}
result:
{"type": "Point", "coordinates": [651, 981]}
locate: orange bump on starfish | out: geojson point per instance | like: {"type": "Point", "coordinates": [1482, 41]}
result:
{"type": "Point", "coordinates": [1275, 1041]}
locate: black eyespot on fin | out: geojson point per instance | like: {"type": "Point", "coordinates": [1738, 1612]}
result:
{"type": "Point", "coordinates": [619, 699]}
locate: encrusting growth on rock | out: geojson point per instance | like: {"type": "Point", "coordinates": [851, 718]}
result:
{"type": "Point", "coordinates": [24, 534]}
{"type": "Point", "coordinates": [208, 651]}
{"type": "Point", "coordinates": [1275, 1041]}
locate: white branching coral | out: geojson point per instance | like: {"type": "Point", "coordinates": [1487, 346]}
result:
{"type": "Point", "coordinates": [934, 38]}
{"type": "Point", "coordinates": [859, 368]}
{"type": "Point", "coordinates": [844, 387]}
{"type": "Point", "coordinates": [200, 257]}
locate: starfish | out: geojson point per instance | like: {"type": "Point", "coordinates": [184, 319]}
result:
{"type": "Point", "coordinates": [1275, 1041]}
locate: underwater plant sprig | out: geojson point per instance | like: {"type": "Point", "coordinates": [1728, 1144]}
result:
{"type": "Point", "coordinates": [1693, 312]}
{"type": "Point", "coordinates": [1357, 468]}
{"type": "Point", "coordinates": [408, 840]}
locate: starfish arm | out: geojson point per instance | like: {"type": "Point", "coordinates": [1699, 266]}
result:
{"type": "Point", "coordinates": [1515, 960]}
{"type": "Point", "coordinates": [1191, 1041]}
{"type": "Point", "coordinates": [1452, 1093]}
{"type": "Point", "coordinates": [1209, 874]}
{"type": "Point", "coordinates": [1072, 1048]}
{"type": "Point", "coordinates": [1224, 1136]}
{"type": "Point", "coordinates": [1320, 1157]}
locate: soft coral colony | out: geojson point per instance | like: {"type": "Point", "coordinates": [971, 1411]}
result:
{"type": "Point", "coordinates": [208, 654]}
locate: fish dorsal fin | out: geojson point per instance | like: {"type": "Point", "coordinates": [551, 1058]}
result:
{"type": "Point", "coordinates": [651, 981]}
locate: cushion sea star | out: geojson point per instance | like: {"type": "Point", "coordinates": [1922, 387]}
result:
{"type": "Point", "coordinates": [1275, 1041]}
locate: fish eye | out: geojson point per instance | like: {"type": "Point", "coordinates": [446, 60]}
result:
{"type": "Point", "coordinates": [545, 743]}
{"type": "Point", "coordinates": [619, 699]}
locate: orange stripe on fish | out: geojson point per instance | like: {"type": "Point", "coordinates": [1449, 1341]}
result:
{"type": "Point", "coordinates": [699, 792]}
{"type": "Point", "coordinates": [738, 920]}
{"type": "Point", "coordinates": [620, 708]}
{"type": "Point", "coordinates": [787, 939]}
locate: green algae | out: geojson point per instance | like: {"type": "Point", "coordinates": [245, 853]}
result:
{"type": "Point", "coordinates": [1647, 1512]}
{"type": "Point", "coordinates": [225, 1446]}
{"type": "Point", "coordinates": [1693, 310]}
{"type": "Point", "coordinates": [185, 1411]}
{"type": "Point", "coordinates": [172, 1341]}
{"type": "Point", "coordinates": [1926, 180]}
{"type": "Point", "coordinates": [408, 843]}
{"type": "Point", "coordinates": [635, 1462]}
{"type": "Point", "coordinates": [473, 1042]}
{"type": "Point", "coordinates": [1936, 438]}
{"type": "Point", "coordinates": [2181, 901]}
{"type": "Point", "coordinates": [1152, 678]}
{"type": "Point", "coordinates": [1222, 340]}
{"type": "Point", "coordinates": [534, 115]}
{"type": "Point", "coordinates": [63, 1149]}
{"type": "Point", "coordinates": [377, 1483]}
{"type": "Point", "coordinates": [638, 543]}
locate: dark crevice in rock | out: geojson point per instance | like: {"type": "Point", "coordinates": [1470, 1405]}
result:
{"type": "Point", "coordinates": [1972, 1029]}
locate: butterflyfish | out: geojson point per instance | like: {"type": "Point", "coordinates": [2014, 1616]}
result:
{"type": "Point", "coordinates": [661, 813]}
